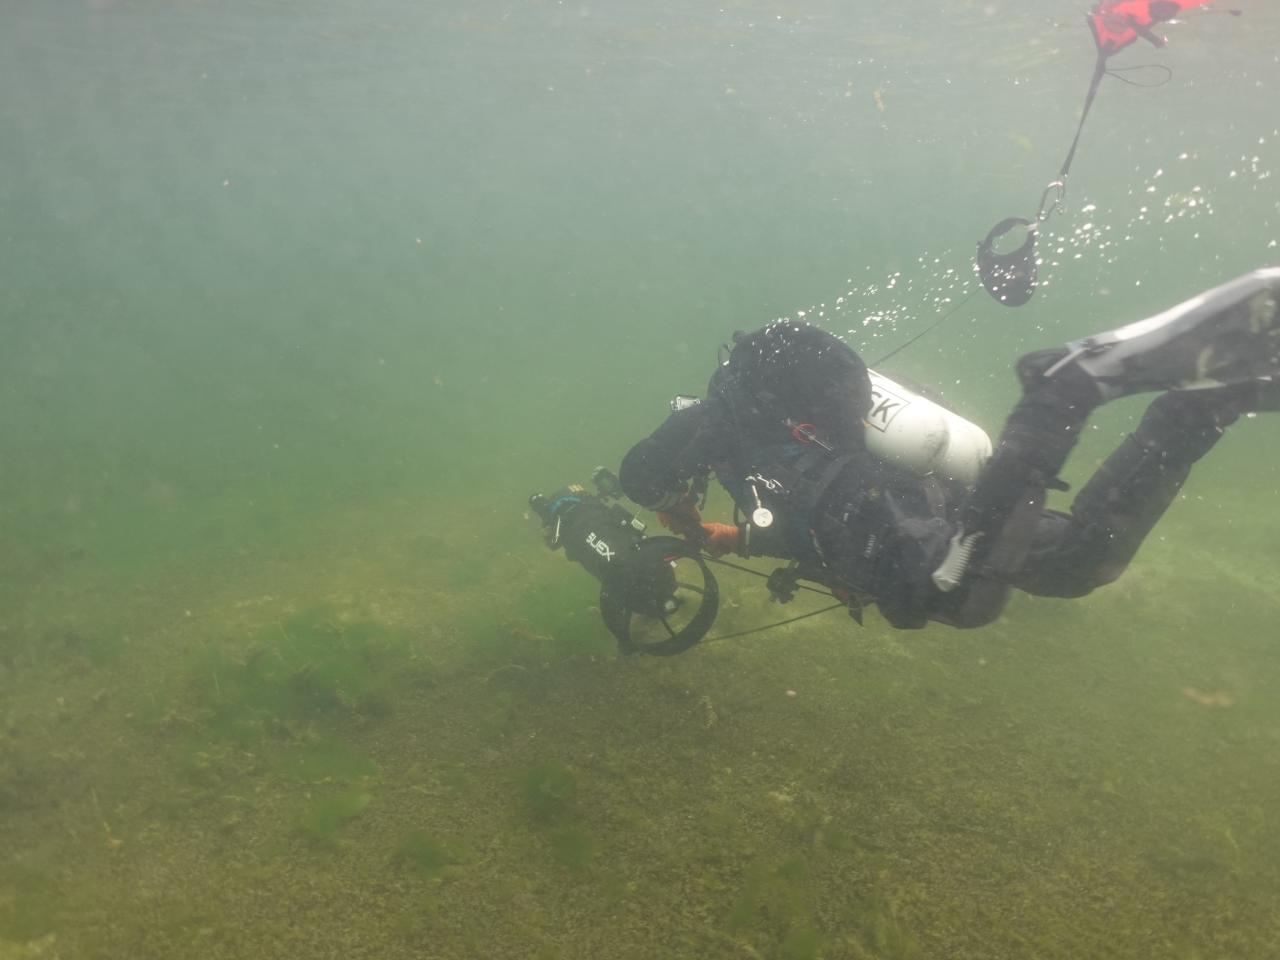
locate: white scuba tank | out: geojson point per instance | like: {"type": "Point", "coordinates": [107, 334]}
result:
{"type": "Point", "coordinates": [921, 436]}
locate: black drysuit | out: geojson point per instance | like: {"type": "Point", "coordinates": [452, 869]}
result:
{"type": "Point", "coordinates": [858, 524]}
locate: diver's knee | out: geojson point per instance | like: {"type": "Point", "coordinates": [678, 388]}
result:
{"type": "Point", "coordinates": [1184, 424]}
{"type": "Point", "coordinates": [1077, 585]}
{"type": "Point", "coordinates": [1105, 574]}
{"type": "Point", "coordinates": [979, 605]}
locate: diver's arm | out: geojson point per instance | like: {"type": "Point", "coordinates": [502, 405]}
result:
{"type": "Point", "coordinates": [656, 471]}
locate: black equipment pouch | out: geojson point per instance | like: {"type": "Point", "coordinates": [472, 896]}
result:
{"type": "Point", "coordinates": [791, 494]}
{"type": "Point", "coordinates": [854, 528]}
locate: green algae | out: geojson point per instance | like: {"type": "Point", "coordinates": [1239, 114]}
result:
{"type": "Point", "coordinates": [325, 816]}
{"type": "Point", "coordinates": [549, 792]}
{"type": "Point", "coordinates": [327, 760]}
{"type": "Point", "coordinates": [30, 903]}
{"type": "Point", "coordinates": [881, 929]}
{"type": "Point", "coordinates": [307, 667]}
{"type": "Point", "coordinates": [548, 622]}
{"type": "Point", "coordinates": [572, 847]}
{"type": "Point", "coordinates": [802, 943]}
{"type": "Point", "coordinates": [425, 854]}
{"type": "Point", "coordinates": [66, 649]}
{"type": "Point", "coordinates": [284, 698]}
{"type": "Point", "coordinates": [563, 612]}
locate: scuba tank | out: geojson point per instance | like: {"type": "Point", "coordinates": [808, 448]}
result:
{"type": "Point", "coordinates": [921, 436]}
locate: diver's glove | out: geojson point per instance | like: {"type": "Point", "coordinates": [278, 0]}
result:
{"type": "Point", "coordinates": [720, 538]}
{"type": "Point", "coordinates": [683, 518]}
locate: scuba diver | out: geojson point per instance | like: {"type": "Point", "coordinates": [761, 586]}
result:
{"type": "Point", "coordinates": [795, 428]}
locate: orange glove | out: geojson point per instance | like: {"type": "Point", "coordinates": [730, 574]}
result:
{"type": "Point", "coordinates": [683, 518]}
{"type": "Point", "coordinates": [720, 538]}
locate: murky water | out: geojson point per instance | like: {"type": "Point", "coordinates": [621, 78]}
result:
{"type": "Point", "coordinates": [300, 302]}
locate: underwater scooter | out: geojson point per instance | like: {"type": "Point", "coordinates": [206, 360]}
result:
{"type": "Point", "coordinates": [657, 595]}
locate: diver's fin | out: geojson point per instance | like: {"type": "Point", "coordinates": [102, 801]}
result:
{"type": "Point", "coordinates": [1225, 335]}
{"type": "Point", "coordinates": [1267, 395]}
{"type": "Point", "coordinates": [1250, 396]}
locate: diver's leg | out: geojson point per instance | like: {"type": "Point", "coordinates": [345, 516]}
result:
{"type": "Point", "coordinates": [1004, 515]}
{"type": "Point", "coordinates": [1001, 516]}
{"type": "Point", "coordinates": [1113, 513]}
{"type": "Point", "coordinates": [1230, 334]}
{"type": "Point", "coordinates": [1068, 555]}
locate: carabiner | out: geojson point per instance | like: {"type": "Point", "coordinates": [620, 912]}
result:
{"type": "Point", "coordinates": [1055, 186]}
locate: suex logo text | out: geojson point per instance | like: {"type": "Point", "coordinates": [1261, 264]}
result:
{"type": "Point", "coordinates": [600, 547]}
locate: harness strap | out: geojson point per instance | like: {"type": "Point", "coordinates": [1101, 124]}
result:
{"type": "Point", "coordinates": [799, 488]}
{"type": "Point", "coordinates": [935, 497]}
{"type": "Point", "coordinates": [807, 493]}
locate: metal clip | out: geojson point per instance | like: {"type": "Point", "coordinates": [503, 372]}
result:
{"type": "Point", "coordinates": [762, 516]}
{"type": "Point", "coordinates": [1059, 188]}
{"type": "Point", "coordinates": [683, 401]}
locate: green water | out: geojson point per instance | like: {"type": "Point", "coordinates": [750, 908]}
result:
{"type": "Point", "coordinates": [300, 302]}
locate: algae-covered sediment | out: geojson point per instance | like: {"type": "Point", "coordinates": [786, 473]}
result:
{"type": "Point", "coordinates": [423, 773]}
